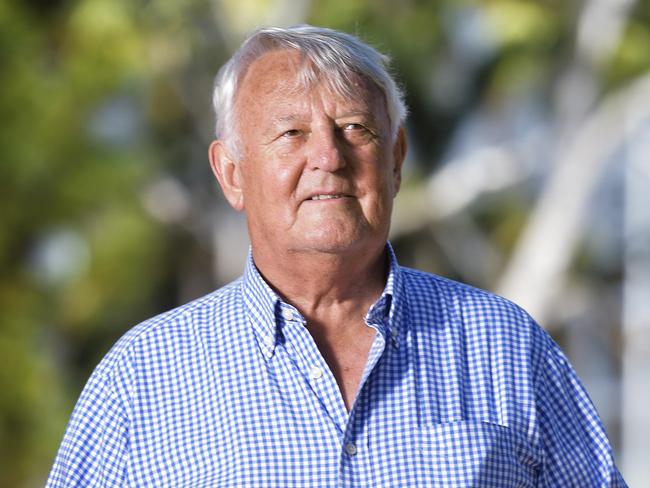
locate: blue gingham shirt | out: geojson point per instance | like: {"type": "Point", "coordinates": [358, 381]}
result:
{"type": "Point", "coordinates": [461, 388]}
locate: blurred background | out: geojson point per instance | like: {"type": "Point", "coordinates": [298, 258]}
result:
{"type": "Point", "coordinates": [528, 175]}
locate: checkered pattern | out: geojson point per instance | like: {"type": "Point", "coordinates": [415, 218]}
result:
{"type": "Point", "coordinates": [461, 389]}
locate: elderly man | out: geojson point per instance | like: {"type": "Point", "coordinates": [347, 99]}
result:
{"type": "Point", "coordinates": [327, 364]}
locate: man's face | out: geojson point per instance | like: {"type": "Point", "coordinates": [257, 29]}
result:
{"type": "Point", "coordinates": [318, 172]}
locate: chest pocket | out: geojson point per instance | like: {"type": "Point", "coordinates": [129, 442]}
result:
{"type": "Point", "coordinates": [476, 454]}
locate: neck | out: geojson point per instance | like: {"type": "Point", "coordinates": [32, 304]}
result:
{"type": "Point", "coordinates": [316, 283]}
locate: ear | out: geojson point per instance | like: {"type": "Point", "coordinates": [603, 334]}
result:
{"type": "Point", "coordinates": [399, 154]}
{"type": "Point", "coordinates": [228, 173]}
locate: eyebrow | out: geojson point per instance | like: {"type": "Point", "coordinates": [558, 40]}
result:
{"type": "Point", "coordinates": [287, 118]}
{"type": "Point", "coordinates": [296, 117]}
{"type": "Point", "coordinates": [354, 113]}
{"type": "Point", "coordinates": [277, 122]}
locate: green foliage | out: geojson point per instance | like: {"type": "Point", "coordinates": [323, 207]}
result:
{"type": "Point", "coordinates": [58, 178]}
{"type": "Point", "coordinates": [632, 57]}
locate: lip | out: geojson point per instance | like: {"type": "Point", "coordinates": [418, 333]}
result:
{"type": "Point", "coordinates": [327, 196]}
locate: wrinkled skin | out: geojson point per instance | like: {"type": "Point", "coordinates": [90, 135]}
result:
{"type": "Point", "coordinates": [297, 144]}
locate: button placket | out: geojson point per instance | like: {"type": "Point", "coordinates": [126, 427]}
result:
{"type": "Point", "coordinates": [350, 449]}
{"type": "Point", "coordinates": [311, 366]}
{"type": "Point", "coordinates": [315, 372]}
{"type": "Point", "coordinates": [394, 334]}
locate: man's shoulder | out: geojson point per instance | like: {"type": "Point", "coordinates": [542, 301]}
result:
{"type": "Point", "coordinates": [179, 325]}
{"type": "Point", "coordinates": [469, 302]}
{"type": "Point", "coordinates": [433, 283]}
{"type": "Point", "coordinates": [488, 324]}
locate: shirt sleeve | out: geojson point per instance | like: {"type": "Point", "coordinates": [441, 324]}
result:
{"type": "Point", "coordinates": [95, 447]}
{"type": "Point", "coordinates": [576, 450]}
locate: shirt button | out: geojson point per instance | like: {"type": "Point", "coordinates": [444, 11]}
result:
{"type": "Point", "coordinates": [350, 449]}
{"type": "Point", "coordinates": [315, 372]}
{"type": "Point", "coordinates": [287, 314]}
{"type": "Point", "coordinates": [269, 341]}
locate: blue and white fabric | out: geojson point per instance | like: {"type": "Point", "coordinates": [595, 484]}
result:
{"type": "Point", "coordinates": [461, 389]}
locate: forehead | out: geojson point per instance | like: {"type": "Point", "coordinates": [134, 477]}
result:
{"type": "Point", "coordinates": [282, 77]}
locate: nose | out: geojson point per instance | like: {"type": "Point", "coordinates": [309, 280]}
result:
{"type": "Point", "coordinates": [325, 152]}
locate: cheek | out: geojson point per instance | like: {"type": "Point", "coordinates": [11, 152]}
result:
{"type": "Point", "coordinates": [381, 188]}
{"type": "Point", "coordinates": [271, 190]}
{"type": "Point", "coordinates": [271, 174]}
{"type": "Point", "coordinates": [377, 204]}
{"type": "Point", "coordinates": [378, 179]}
{"type": "Point", "coordinates": [286, 178]}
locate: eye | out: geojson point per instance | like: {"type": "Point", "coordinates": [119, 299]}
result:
{"type": "Point", "coordinates": [356, 133]}
{"type": "Point", "coordinates": [292, 133]}
{"type": "Point", "coordinates": [354, 127]}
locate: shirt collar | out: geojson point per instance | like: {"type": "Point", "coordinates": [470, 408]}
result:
{"type": "Point", "coordinates": [386, 313]}
{"type": "Point", "coordinates": [261, 302]}
{"type": "Point", "coordinates": [266, 309]}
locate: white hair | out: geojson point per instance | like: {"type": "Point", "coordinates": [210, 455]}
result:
{"type": "Point", "coordinates": [333, 57]}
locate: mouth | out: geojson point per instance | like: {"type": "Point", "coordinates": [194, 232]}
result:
{"type": "Point", "coordinates": [327, 196]}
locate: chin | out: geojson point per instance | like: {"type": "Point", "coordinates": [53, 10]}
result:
{"type": "Point", "coordinates": [335, 241]}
